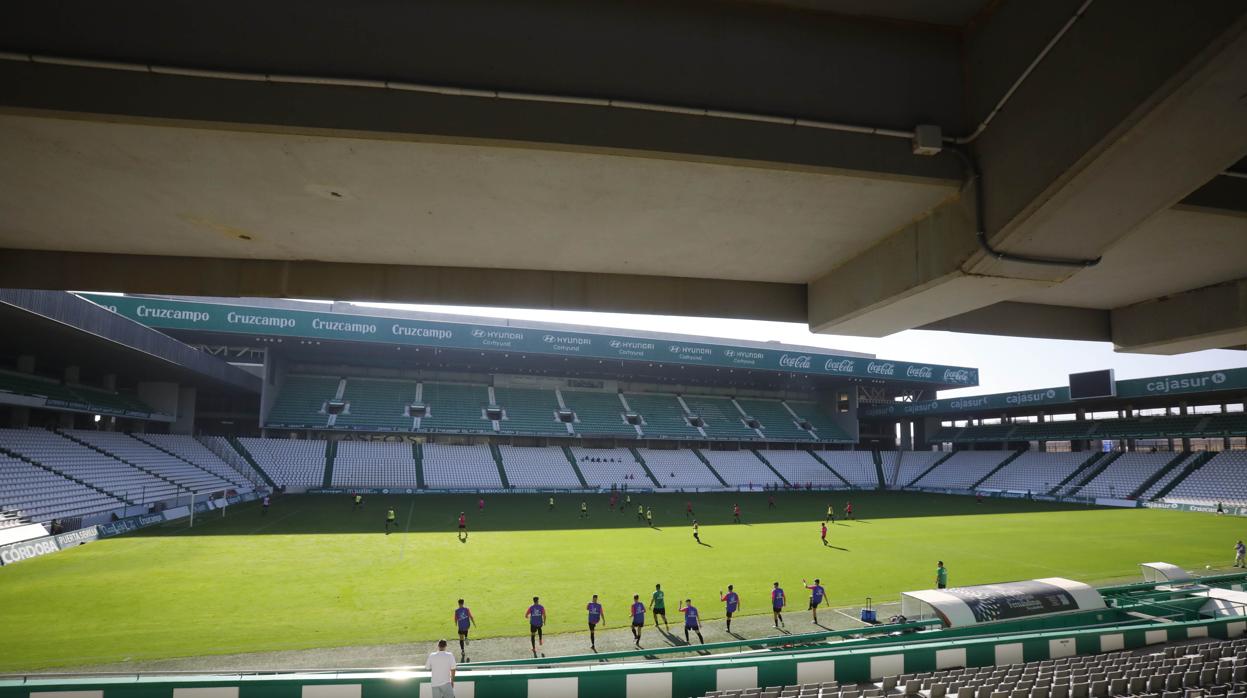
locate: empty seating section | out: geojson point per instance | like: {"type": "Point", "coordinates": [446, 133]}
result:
{"type": "Point", "coordinates": [1214, 424]}
{"type": "Point", "coordinates": [963, 469]}
{"type": "Point", "coordinates": [1163, 482]}
{"type": "Point", "coordinates": [460, 467]}
{"type": "Point", "coordinates": [373, 464]}
{"type": "Point", "coordinates": [99, 399]}
{"type": "Point", "coordinates": [455, 407]}
{"type": "Point", "coordinates": [289, 462]}
{"type": "Point", "coordinates": [1228, 424]}
{"type": "Point", "coordinates": [741, 468]}
{"type": "Point", "coordinates": [777, 423]}
{"type": "Point", "coordinates": [1222, 479]}
{"type": "Point", "coordinates": [824, 428]}
{"type": "Point", "coordinates": [300, 402]}
{"type": "Point", "coordinates": [147, 457]}
{"type": "Point", "coordinates": [88, 465]}
{"type": "Point", "coordinates": [1050, 431]}
{"type": "Point", "coordinates": [858, 467]}
{"type": "Point", "coordinates": [679, 468]}
{"type": "Point", "coordinates": [190, 449]}
{"type": "Point", "coordinates": [33, 492]}
{"type": "Point", "coordinates": [538, 467]}
{"type": "Point", "coordinates": [663, 415]}
{"type": "Point", "coordinates": [377, 404]}
{"type": "Point", "coordinates": [1190, 671]}
{"type": "Point", "coordinates": [913, 464]}
{"type": "Point", "coordinates": [598, 413]}
{"type": "Point", "coordinates": [529, 411]}
{"type": "Point", "coordinates": [603, 467]}
{"type": "Point", "coordinates": [722, 419]}
{"type": "Point", "coordinates": [800, 466]}
{"type": "Point", "coordinates": [1035, 471]}
{"type": "Point", "coordinates": [1124, 475]}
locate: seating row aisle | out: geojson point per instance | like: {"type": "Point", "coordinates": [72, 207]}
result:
{"type": "Point", "coordinates": [289, 462]}
{"type": "Point", "coordinates": [858, 467]}
{"type": "Point", "coordinates": [741, 468]}
{"type": "Point", "coordinates": [192, 450]}
{"type": "Point", "coordinates": [1036, 472]}
{"type": "Point", "coordinates": [88, 465]}
{"type": "Point", "coordinates": [963, 469]}
{"type": "Point", "coordinates": [801, 467]}
{"type": "Point", "coordinates": [152, 459]}
{"type": "Point", "coordinates": [1222, 479]}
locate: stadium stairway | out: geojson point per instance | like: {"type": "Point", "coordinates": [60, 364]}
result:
{"type": "Point", "coordinates": [883, 480]}
{"type": "Point", "coordinates": [833, 470]}
{"type": "Point", "coordinates": [710, 467]}
{"type": "Point", "coordinates": [246, 455]}
{"type": "Point", "coordinates": [1016, 454]}
{"type": "Point", "coordinates": [644, 466]}
{"type": "Point", "coordinates": [417, 454]}
{"type": "Point", "coordinates": [502, 472]}
{"type": "Point", "coordinates": [934, 465]}
{"type": "Point", "coordinates": [1195, 464]}
{"type": "Point", "coordinates": [567, 451]}
{"type": "Point", "coordinates": [80, 442]}
{"type": "Point", "coordinates": [158, 447]}
{"type": "Point", "coordinates": [1156, 477]}
{"type": "Point", "coordinates": [766, 462]}
{"type": "Point", "coordinates": [67, 476]}
{"type": "Point", "coordinates": [331, 451]}
{"type": "Point", "coordinates": [1096, 463]}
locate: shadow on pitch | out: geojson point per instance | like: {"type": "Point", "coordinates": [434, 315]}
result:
{"type": "Point", "coordinates": [438, 513]}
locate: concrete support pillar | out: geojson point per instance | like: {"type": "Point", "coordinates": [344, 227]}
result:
{"type": "Point", "coordinates": [1186, 443]}
{"type": "Point", "coordinates": [907, 441]}
{"type": "Point", "coordinates": [161, 395]}
{"type": "Point", "coordinates": [185, 423]}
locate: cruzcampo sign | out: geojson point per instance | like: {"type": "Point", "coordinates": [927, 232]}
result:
{"type": "Point", "coordinates": [280, 322]}
{"type": "Point", "coordinates": [1183, 383]}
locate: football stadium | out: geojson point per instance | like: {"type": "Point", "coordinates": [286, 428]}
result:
{"type": "Point", "coordinates": [290, 405]}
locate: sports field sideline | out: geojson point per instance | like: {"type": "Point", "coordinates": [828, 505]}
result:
{"type": "Point", "coordinates": [316, 573]}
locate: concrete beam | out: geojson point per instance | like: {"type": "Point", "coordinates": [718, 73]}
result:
{"type": "Point", "coordinates": [1124, 118]}
{"type": "Point", "coordinates": [1031, 320]}
{"type": "Point", "coordinates": [1223, 194]}
{"type": "Point", "coordinates": [1208, 318]}
{"type": "Point", "coordinates": [193, 276]}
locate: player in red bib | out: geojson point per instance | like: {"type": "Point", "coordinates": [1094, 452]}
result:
{"type": "Point", "coordinates": [480, 504]}
{"type": "Point", "coordinates": [463, 527]}
{"type": "Point", "coordinates": [688, 509]}
{"type": "Point", "coordinates": [736, 512]}
{"type": "Point", "coordinates": [848, 511]}
{"type": "Point", "coordinates": [824, 534]}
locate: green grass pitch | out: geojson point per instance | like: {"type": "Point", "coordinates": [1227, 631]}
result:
{"type": "Point", "coordinates": [315, 573]}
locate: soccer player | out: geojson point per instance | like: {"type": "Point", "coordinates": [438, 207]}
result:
{"type": "Point", "coordinates": [463, 527]}
{"type": "Point", "coordinates": [1240, 551]}
{"type": "Point", "coordinates": [770, 503]}
{"type": "Point", "coordinates": [536, 615]}
{"type": "Point", "coordinates": [732, 599]}
{"type": "Point", "coordinates": [640, 512]}
{"type": "Point", "coordinates": [816, 596]}
{"type": "Point", "coordinates": [696, 533]}
{"type": "Point", "coordinates": [480, 505]}
{"type": "Point", "coordinates": [264, 505]}
{"type": "Point", "coordinates": [463, 621]}
{"type": "Point", "coordinates": [777, 604]}
{"type": "Point", "coordinates": [638, 619]}
{"type": "Point", "coordinates": [848, 511]}
{"type": "Point", "coordinates": [390, 521]}
{"type": "Point", "coordinates": [691, 621]}
{"type": "Point", "coordinates": [736, 512]}
{"type": "Point", "coordinates": [649, 517]}
{"type": "Point", "coordinates": [613, 500]}
{"type": "Point", "coordinates": [551, 504]}
{"type": "Point", "coordinates": [359, 500]}
{"type": "Point", "coordinates": [658, 606]}
{"type": "Point", "coordinates": [824, 534]}
{"type": "Point", "coordinates": [596, 615]}
{"type": "Point", "coordinates": [941, 575]}
{"type": "Point", "coordinates": [627, 502]}
{"type": "Point", "coordinates": [831, 513]}
{"type": "Point", "coordinates": [688, 509]}
{"type": "Point", "coordinates": [584, 509]}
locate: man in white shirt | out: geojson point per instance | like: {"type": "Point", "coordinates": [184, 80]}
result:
{"type": "Point", "coordinates": [441, 664]}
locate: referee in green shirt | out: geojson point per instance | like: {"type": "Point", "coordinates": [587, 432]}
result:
{"type": "Point", "coordinates": [941, 576]}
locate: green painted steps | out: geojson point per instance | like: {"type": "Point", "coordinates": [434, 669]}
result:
{"type": "Point", "coordinates": [246, 455]}
{"type": "Point", "coordinates": [502, 472]}
{"type": "Point", "coordinates": [828, 466]}
{"type": "Point", "coordinates": [1196, 463]}
{"type": "Point", "coordinates": [167, 452]}
{"type": "Point", "coordinates": [1089, 463]}
{"type": "Point", "coordinates": [934, 465]}
{"type": "Point", "coordinates": [998, 468]}
{"type": "Point", "coordinates": [713, 472]}
{"type": "Point", "coordinates": [1155, 478]}
{"type": "Point", "coordinates": [567, 451]}
{"type": "Point", "coordinates": [644, 466]}
{"type": "Point", "coordinates": [1095, 470]}
{"type": "Point", "coordinates": [767, 463]}
{"type": "Point", "coordinates": [331, 452]}
{"type": "Point", "coordinates": [67, 476]}
{"type": "Point", "coordinates": [417, 454]}
{"type": "Point", "coordinates": [879, 476]}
